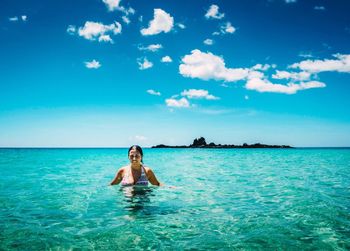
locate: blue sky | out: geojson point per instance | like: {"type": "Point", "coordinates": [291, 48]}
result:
{"type": "Point", "coordinates": [108, 73]}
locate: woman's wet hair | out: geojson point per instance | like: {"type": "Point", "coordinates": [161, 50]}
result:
{"type": "Point", "coordinates": [137, 148]}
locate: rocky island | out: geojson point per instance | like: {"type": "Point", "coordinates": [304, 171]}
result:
{"type": "Point", "coordinates": [201, 143]}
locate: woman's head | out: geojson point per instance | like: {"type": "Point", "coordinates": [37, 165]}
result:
{"type": "Point", "coordinates": [135, 154]}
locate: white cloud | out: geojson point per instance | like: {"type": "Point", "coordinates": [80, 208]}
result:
{"type": "Point", "coordinates": [183, 102]}
{"type": "Point", "coordinates": [305, 55]}
{"type": "Point", "coordinates": [24, 18]}
{"type": "Point", "coordinates": [182, 26]}
{"type": "Point", "coordinates": [208, 41]}
{"type": "Point", "coordinates": [290, 1]}
{"type": "Point", "coordinates": [144, 63]}
{"type": "Point", "coordinates": [198, 94]}
{"type": "Point", "coordinates": [319, 8]}
{"type": "Point", "coordinates": [112, 4]}
{"type": "Point", "coordinates": [93, 64]}
{"type": "Point", "coordinates": [153, 92]}
{"type": "Point", "coordinates": [340, 64]}
{"type": "Point", "coordinates": [263, 85]}
{"type": "Point", "coordinates": [71, 29]}
{"type": "Point", "coordinates": [93, 31]}
{"type": "Point", "coordinates": [227, 28]}
{"type": "Point", "coordinates": [166, 59]}
{"type": "Point", "coordinates": [298, 76]}
{"type": "Point", "coordinates": [13, 19]}
{"type": "Point", "coordinates": [246, 97]}
{"type": "Point", "coordinates": [129, 11]}
{"type": "Point", "coordinates": [138, 138]}
{"type": "Point", "coordinates": [152, 47]}
{"type": "Point", "coordinates": [261, 67]}
{"type": "Point", "coordinates": [213, 12]}
{"type": "Point", "coordinates": [105, 38]}
{"type": "Point", "coordinates": [162, 22]}
{"type": "Point", "coordinates": [209, 66]}
{"type": "Point", "coordinates": [126, 19]}
{"type": "Point", "coordinates": [115, 5]}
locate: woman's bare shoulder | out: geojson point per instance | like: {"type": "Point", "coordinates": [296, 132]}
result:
{"type": "Point", "coordinates": [148, 169]}
{"type": "Point", "coordinates": [122, 169]}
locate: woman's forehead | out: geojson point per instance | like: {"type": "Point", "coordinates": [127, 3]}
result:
{"type": "Point", "coordinates": [134, 150]}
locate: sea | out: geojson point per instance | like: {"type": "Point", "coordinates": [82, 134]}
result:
{"type": "Point", "coordinates": [212, 199]}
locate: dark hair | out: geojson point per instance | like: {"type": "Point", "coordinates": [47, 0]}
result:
{"type": "Point", "coordinates": [138, 148]}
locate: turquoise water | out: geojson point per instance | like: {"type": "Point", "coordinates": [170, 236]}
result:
{"type": "Point", "coordinates": [225, 199]}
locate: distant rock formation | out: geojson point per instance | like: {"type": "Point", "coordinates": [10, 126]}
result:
{"type": "Point", "coordinates": [201, 143]}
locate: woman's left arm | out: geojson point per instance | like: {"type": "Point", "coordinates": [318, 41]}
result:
{"type": "Point", "coordinates": [152, 177]}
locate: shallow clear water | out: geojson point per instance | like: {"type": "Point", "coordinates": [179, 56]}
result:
{"type": "Point", "coordinates": [225, 199]}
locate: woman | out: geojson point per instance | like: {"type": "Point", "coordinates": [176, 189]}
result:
{"type": "Point", "coordinates": [135, 173]}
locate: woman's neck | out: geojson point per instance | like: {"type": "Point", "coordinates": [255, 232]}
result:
{"type": "Point", "coordinates": [136, 166]}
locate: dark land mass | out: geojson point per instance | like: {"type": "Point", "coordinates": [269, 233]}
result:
{"type": "Point", "coordinates": [201, 143]}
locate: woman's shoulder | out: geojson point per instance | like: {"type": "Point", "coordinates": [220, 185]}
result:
{"type": "Point", "coordinates": [147, 169]}
{"type": "Point", "coordinates": [123, 168]}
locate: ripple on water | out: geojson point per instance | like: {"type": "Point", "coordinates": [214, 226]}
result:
{"type": "Point", "coordinates": [225, 199]}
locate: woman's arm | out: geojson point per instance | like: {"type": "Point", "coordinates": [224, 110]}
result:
{"type": "Point", "coordinates": [152, 177]}
{"type": "Point", "coordinates": [118, 177]}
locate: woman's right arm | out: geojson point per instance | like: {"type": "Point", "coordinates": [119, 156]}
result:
{"type": "Point", "coordinates": [118, 177]}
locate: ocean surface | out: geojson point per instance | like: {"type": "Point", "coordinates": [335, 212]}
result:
{"type": "Point", "coordinates": [246, 199]}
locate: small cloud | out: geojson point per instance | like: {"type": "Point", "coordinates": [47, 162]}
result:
{"type": "Point", "coordinates": [144, 63]}
{"type": "Point", "coordinates": [263, 85]}
{"type": "Point", "coordinates": [13, 19]}
{"type": "Point", "coordinates": [305, 55]}
{"type": "Point", "coordinates": [208, 41]}
{"type": "Point", "coordinates": [71, 29]}
{"type": "Point", "coordinates": [198, 94]}
{"type": "Point", "coordinates": [227, 28]}
{"type": "Point", "coordinates": [97, 31]}
{"type": "Point", "coordinates": [181, 26]}
{"type": "Point", "coordinates": [341, 63]}
{"type": "Point", "coordinates": [290, 1]}
{"type": "Point", "coordinates": [153, 92]}
{"type": "Point", "coordinates": [93, 64]}
{"type": "Point", "coordinates": [126, 19]}
{"type": "Point", "coordinates": [319, 8]}
{"type": "Point", "coordinates": [162, 22]}
{"type": "Point", "coordinates": [152, 47]}
{"type": "Point", "coordinates": [166, 59]}
{"type": "Point", "coordinates": [138, 138]}
{"type": "Point", "coordinates": [112, 4]}
{"type": "Point", "coordinates": [261, 67]}
{"type": "Point", "coordinates": [129, 11]}
{"type": "Point", "coordinates": [246, 97]}
{"type": "Point", "coordinates": [213, 13]}
{"type": "Point", "coordinates": [105, 38]}
{"type": "Point", "coordinates": [24, 18]}
{"type": "Point", "coordinates": [183, 102]}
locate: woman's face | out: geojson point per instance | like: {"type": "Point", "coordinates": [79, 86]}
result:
{"type": "Point", "coordinates": [134, 156]}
